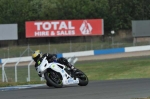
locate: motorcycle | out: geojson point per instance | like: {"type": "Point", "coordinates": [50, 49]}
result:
{"type": "Point", "coordinates": [58, 75]}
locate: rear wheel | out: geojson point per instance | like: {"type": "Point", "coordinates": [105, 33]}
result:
{"type": "Point", "coordinates": [83, 79]}
{"type": "Point", "coordinates": [53, 78]}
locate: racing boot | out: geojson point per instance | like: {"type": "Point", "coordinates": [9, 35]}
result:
{"type": "Point", "coordinates": [72, 69]}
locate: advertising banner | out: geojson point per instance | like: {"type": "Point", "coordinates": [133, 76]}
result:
{"type": "Point", "coordinates": [58, 28]}
{"type": "Point", "coordinates": [9, 31]}
{"type": "Point", "coordinates": [141, 28]}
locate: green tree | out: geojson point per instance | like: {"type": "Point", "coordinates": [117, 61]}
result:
{"type": "Point", "coordinates": [117, 14]}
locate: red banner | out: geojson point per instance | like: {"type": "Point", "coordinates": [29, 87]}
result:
{"type": "Point", "coordinates": [64, 28]}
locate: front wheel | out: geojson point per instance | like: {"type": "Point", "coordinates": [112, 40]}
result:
{"type": "Point", "coordinates": [53, 78]}
{"type": "Point", "coordinates": [83, 79]}
{"type": "Point", "coordinates": [48, 84]}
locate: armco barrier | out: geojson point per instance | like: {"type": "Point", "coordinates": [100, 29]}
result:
{"type": "Point", "coordinates": [87, 53]}
{"type": "Point", "coordinates": [77, 54]}
{"type": "Point", "coordinates": [21, 59]}
{"type": "Point", "coordinates": [16, 59]}
{"type": "Point", "coordinates": [59, 55]}
{"type": "Point", "coordinates": [137, 48]}
{"type": "Point", "coordinates": [109, 51]}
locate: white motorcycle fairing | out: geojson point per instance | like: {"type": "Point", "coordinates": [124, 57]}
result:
{"type": "Point", "coordinates": [67, 79]}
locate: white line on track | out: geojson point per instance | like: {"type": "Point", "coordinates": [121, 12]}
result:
{"type": "Point", "coordinates": [20, 87]}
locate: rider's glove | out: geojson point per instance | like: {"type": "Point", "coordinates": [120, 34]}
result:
{"type": "Point", "coordinates": [54, 58]}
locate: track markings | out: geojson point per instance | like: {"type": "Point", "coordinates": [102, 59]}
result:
{"type": "Point", "coordinates": [20, 87]}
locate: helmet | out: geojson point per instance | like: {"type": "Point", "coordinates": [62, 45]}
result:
{"type": "Point", "coordinates": [36, 55]}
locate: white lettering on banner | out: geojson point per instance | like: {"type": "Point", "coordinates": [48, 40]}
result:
{"type": "Point", "coordinates": [70, 25]}
{"type": "Point", "coordinates": [62, 26]}
{"type": "Point", "coordinates": [56, 25]}
{"type": "Point", "coordinates": [46, 26]}
{"type": "Point", "coordinates": [69, 32]}
{"type": "Point", "coordinates": [41, 33]}
{"type": "Point", "coordinates": [52, 33]}
{"type": "Point", "coordinates": [38, 25]}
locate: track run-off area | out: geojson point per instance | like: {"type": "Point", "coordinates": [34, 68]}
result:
{"type": "Point", "coordinates": [113, 89]}
{"type": "Point", "coordinates": [108, 89]}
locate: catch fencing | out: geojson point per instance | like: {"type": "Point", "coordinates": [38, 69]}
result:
{"type": "Point", "coordinates": [71, 46]}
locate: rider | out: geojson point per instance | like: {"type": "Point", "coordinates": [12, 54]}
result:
{"type": "Point", "coordinates": [37, 57]}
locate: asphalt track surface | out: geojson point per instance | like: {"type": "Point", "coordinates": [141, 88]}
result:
{"type": "Point", "coordinates": [114, 89]}
{"type": "Point", "coordinates": [110, 89]}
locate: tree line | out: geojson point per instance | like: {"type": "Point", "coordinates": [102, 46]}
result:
{"type": "Point", "coordinates": [117, 14]}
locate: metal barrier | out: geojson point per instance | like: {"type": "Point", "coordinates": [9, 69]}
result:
{"type": "Point", "coordinates": [28, 79]}
{"type": "Point", "coordinates": [13, 60]}
{"type": "Point", "coordinates": [4, 76]}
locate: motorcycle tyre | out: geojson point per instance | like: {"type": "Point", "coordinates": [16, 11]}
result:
{"type": "Point", "coordinates": [51, 82]}
{"type": "Point", "coordinates": [82, 82]}
{"type": "Point", "coordinates": [48, 84]}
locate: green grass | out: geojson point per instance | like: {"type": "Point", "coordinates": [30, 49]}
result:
{"type": "Point", "coordinates": [117, 69]}
{"type": "Point", "coordinates": [126, 68]}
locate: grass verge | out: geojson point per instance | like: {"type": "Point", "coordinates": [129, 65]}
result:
{"type": "Point", "coordinates": [125, 68]}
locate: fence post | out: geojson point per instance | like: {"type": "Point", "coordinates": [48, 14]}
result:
{"type": "Point", "coordinates": [16, 71]}
{"type": "Point", "coordinates": [91, 44]}
{"type": "Point", "coordinates": [3, 71]}
{"type": "Point", "coordinates": [8, 51]}
{"type": "Point", "coordinates": [70, 46]}
{"type": "Point", "coordinates": [28, 80]}
{"type": "Point", "coordinates": [49, 47]}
